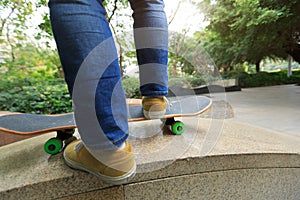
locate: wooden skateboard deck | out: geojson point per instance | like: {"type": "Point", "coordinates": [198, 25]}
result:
{"type": "Point", "coordinates": [35, 123]}
{"type": "Point", "coordinates": [182, 106]}
{"type": "Point", "coordinates": [64, 124]}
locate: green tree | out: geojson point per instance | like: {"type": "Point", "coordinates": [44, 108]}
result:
{"type": "Point", "coordinates": [251, 30]}
{"type": "Point", "coordinates": [115, 16]}
{"type": "Point", "coordinates": [14, 15]}
{"type": "Point", "coordinates": [118, 18]}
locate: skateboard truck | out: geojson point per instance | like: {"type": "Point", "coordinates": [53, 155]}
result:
{"type": "Point", "coordinates": [177, 127]}
{"type": "Point", "coordinates": [62, 139]}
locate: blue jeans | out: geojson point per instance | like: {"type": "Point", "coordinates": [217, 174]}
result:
{"type": "Point", "coordinates": [90, 62]}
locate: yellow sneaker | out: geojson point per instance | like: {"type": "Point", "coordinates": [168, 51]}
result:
{"type": "Point", "coordinates": [119, 165]}
{"type": "Point", "coordinates": [154, 107]}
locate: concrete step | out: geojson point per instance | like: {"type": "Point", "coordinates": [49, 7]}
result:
{"type": "Point", "coordinates": [213, 159]}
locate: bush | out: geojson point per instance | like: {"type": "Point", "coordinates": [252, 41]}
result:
{"type": "Point", "coordinates": [231, 74]}
{"type": "Point", "coordinates": [30, 95]}
{"type": "Point", "coordinates": [190, 82]}
{"type": "Point", "coordinates": [293, 79]}
{"type": "Point", "coordinates": [197, 81]}
{"type": "Point", "coordinates": [131, 87]}
{"type": "Point", "coordinates": [178, 82]}
{"type": "Point", "coordinates": [266, 79]}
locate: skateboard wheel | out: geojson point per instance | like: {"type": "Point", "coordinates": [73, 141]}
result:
{"type": "Point", "coordinates": [178, 127]}
{"type": "Point", "coordinates": [53, 146]}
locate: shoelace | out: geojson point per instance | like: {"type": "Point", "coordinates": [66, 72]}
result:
{"type": "Point", "coordinates": [78, 146]}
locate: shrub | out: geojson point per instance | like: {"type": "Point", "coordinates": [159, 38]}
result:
{"type": "Point", "coordinates": [131, 87]}
{"type": "Point", "coordinates": [231, 74]}
{"type": "Point", "coordinates": [178, 82]}
{"type": "Point", "coordinates": [266, 79]}
{"type": "Point", "coordinates": [30, 95]}
{"type": "Point", "coordinates": [189, 82]}
{"type": "Point", "coordinates": [197, 81]}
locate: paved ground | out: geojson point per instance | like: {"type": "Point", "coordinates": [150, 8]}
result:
{"type": "Point", "coordinates": [276, 107]}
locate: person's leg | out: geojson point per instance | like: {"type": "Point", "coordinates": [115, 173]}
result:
{"type": "Point", "coordinates": [151, 41]}
{"type": "Point", "coordinates": [89, 59]}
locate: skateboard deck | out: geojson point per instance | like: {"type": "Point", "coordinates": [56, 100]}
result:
{"type": "Point", "coordinates": [64, 124]}
{"type": "Point", "coordinates": [182, 106]}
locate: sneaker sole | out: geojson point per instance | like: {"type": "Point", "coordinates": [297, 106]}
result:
{"type": "Point", "coordinates": [119, 180]}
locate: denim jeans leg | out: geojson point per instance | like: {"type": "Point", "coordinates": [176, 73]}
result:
{"type": "Point", "coordinates": [151, 41]}
{"type": "Point", "coordinates": [89, 59]}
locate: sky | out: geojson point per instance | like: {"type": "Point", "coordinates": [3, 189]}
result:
{"type": "Point", "coordinates": [187, 17]}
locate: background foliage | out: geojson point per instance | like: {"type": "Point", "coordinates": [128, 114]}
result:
{"type": "Point", "coordinates": [243, 37]}
{"type": "Point", "coordinates": [251, 30]}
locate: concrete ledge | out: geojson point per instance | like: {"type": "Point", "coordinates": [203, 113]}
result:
{"type": "Point", "coordinates": [238, 162]}
{"type": "Point", "coordinates": [205, 89]}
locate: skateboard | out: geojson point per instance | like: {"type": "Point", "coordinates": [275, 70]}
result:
{"type": "Point", "coordinates": [64, 124]}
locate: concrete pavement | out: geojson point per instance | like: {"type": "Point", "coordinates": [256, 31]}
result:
{"type": "Point", "coordinates": [243, 162]}
{"type": "Point", "coordinates": [276, 107]}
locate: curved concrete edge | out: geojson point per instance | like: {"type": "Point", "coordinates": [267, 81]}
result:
{"type": "Point", "coordinates": [235, 163]}
{"type": "Point", "coordinates": [212, 174]}
{"type": "Point", "coordinates": [277, 166]}
{"type": "Point", "coordinates": [272, 183]}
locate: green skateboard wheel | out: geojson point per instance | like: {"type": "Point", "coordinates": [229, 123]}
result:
{"type": "Point", "coordinates": [53, 146]}
{"type": "Point", "coordinates": [178, 128]}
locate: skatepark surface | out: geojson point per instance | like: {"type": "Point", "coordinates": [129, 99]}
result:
{"type": "Point", "coordinates": [275, 107]}
{"type": "Point", "coordinates": [255, 154]}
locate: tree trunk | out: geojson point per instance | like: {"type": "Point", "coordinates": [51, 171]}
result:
{"type": "Point", "coordinates": [121, 63]}
{"type": "Point", "coordinates": [61, 72]}
{"type": "Point", "coordinates": [174, 70]}
{"type": "Point", "coordinates": [257, 66]}
{"type": "Point", "coordinates": [12, 48]}
{"type": "Point", "coordinates": [216, 72]}
{"type": "Point", "coordinates": [290, 66]}
{"type": "Point", "coordinates": [295, 53]}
